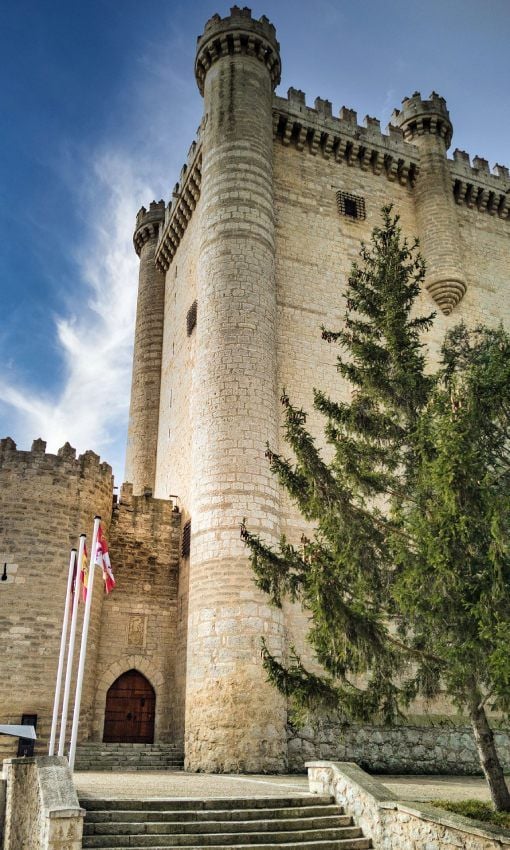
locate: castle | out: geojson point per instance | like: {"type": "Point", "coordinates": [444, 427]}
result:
{"type": "Point", "coordinates": [237, 274]}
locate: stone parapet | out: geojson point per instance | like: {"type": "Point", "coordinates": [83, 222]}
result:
{"type": "Point", "coordinates": [185, 197]}
{"type": "Point", "coordinates": [236, 35]}
{"type": "Point", "coordinates": [148, 224]}
{"type": "Point", "coordinates": [479, 188]}
{"type": "Point", "coordinates": [342, 140]}
{"type": "Point", "coordinates": [399, 823]}
{"type": "Point", "coordinates": [418, 117]}
{"type": "Point", "coordinates": [42, 811]}
{"type": "Point", "coordinates": [88, 463]}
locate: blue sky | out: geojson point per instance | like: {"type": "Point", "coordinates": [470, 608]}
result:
{"type": "Point", "coordinates": [99, 106]}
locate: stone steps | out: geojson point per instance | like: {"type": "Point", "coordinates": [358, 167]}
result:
{"type": "Point", "coordinates": [197, 816]}
{"type": "Point", "coordinates": [311, 823]}
{"type": "Point", "coordinates": [99, 756]}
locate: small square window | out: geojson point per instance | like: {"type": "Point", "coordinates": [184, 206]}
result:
{"type": "Point", "coordinates": [351, 206]}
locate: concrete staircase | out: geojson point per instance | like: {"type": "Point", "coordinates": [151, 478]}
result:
{"type": "Point", "coordinates": [96, 756]}
{"type": "Point", "coordinates": [296, 823]}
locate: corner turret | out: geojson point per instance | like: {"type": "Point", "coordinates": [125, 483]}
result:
{"type": "Point", "coordinates": [148, 224]}
{"type": "Point", "coordinates": [418, 117]}
{"type": "Point", "coordinates": [148, 349]}
{"type": "Point", "coordinates": [426, 123]}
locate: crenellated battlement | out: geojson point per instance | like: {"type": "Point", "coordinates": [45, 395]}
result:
{"type": "Point", "coordinates": [178, 213]}
{"type": "Point", "coordinates": [145, 508]}
{"type": "Point", "coordinates": [88, 464]}
{"type": "Point", "coordinates": [476, 186]}
{"type": "Point", "coordinates": [342, 139]}
{"type": "Point", "coordinates": [242, 16]}
{"type": "Point", "coordinates": [148, 224]}
{"type": "Point", "coordinates": [419, 117]}
{"type": "Point", "coordinates": [237, 34]}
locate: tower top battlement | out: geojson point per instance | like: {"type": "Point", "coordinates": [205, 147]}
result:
{"type": "Point", "coordinates": [419, 117]}
{"type": "Point", "coordinates": [237, 34]}
{"type": "Point", "coordinates": [63, 463]}
{"type": "Point", "coordinates": [147, 224]}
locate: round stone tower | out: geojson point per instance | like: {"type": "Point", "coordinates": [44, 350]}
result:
{"type": "Point", "coordinates": [146, 379]}
{"type": "Point", "coordinates": [426, 123]}
{"type": "Point", "coordinates": [235, 721]}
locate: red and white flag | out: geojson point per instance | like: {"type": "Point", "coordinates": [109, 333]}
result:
{"type": "Point", "coordinates": [103, 561]}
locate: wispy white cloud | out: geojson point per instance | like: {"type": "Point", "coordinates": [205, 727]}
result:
{"type": "Point", "coordinates": [95, 337]}
{"type": "Point", "coordinates": [94, 330]}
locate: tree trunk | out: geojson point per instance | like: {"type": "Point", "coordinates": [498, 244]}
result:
{"type": "Point", "coordinates": [489, 760]}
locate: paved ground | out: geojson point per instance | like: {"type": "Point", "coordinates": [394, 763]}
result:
{"type": "Point", "coordinates": [177, 784]}
{"type": "Point", "coordinates": [423, 788]}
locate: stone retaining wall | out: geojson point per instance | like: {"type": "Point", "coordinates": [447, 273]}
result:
{"type": "Point", "coordinates": [2, 810]}
{"type": "Point", "coordinates": [393, 823]}
{"type": "Point", "coordinates": [42, 811]}
{"type": "Point", "coordinates": [401, 749]}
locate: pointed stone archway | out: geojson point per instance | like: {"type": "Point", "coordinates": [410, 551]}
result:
{"type": "Point", "coordinates": [130, 710]}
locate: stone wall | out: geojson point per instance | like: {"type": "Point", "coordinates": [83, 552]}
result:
{"type": "Point", "coordinates": [315, 248]}
{"type": "Point", "coordinates": [173, 474]}
{"type": "Point", "coordinates": [45, 502]}
{"type": "Point", "coordinates": [139, 619]}
{"type": "Point", "coordinates": [2, 810]}
{"type": "Point", "coordinates": [42, 810]}
{"type": "Point", "coordinates": [391, 823]}
{"type": "Point", "coordinates": [440, 749]}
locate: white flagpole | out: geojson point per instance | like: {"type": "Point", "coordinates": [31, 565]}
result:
{"type": "Point", "coordinates": [70, 650]}
{"type": "Point", "coordinates": [63, 641]}
{"type": "Point", "coordinates": [83, 647]}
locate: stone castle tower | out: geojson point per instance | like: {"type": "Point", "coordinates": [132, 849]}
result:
{"type": "Point", "coordinates": [237, 274]}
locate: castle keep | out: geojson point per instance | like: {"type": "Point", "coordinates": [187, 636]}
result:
{"type": "Point", "coordinates": [237, 274]}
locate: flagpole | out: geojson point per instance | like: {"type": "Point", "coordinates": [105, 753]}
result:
{"type": "Point", "coordinates": [70, 650]}
{"type": "Point", "coordinates": [63, 641]}
{"type": "Point", "coordinates": [83, 647]}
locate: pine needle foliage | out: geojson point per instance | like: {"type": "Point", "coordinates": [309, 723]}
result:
{"type": "Point", "coordinates": [453, 588]}
{"type": "Point", "coordinates": [343, 574]}
{"type": "Point", "coordinates": [406, 574]}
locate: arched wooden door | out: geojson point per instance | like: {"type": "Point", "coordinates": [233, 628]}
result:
{"type": "Point", "coordinates": [130, 705]}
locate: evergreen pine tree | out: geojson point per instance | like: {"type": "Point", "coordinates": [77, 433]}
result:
{"type": "Point", "coordinates": [364, 571]}
{"type": "Point", "coordinates": [452, 586]}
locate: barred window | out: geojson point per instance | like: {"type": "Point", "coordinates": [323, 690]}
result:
{"type": "Point", "coordinates": [186, 539]}
{"type": "Point", "coordinates": [352, 206]}
{"type": "Point", "coordinates": [191, 318]}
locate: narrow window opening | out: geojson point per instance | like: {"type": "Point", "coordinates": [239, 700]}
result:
{"type": "Point", "coordinates": [191, 318]}
{"type": "Point", "coordinates": [186, 539]}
